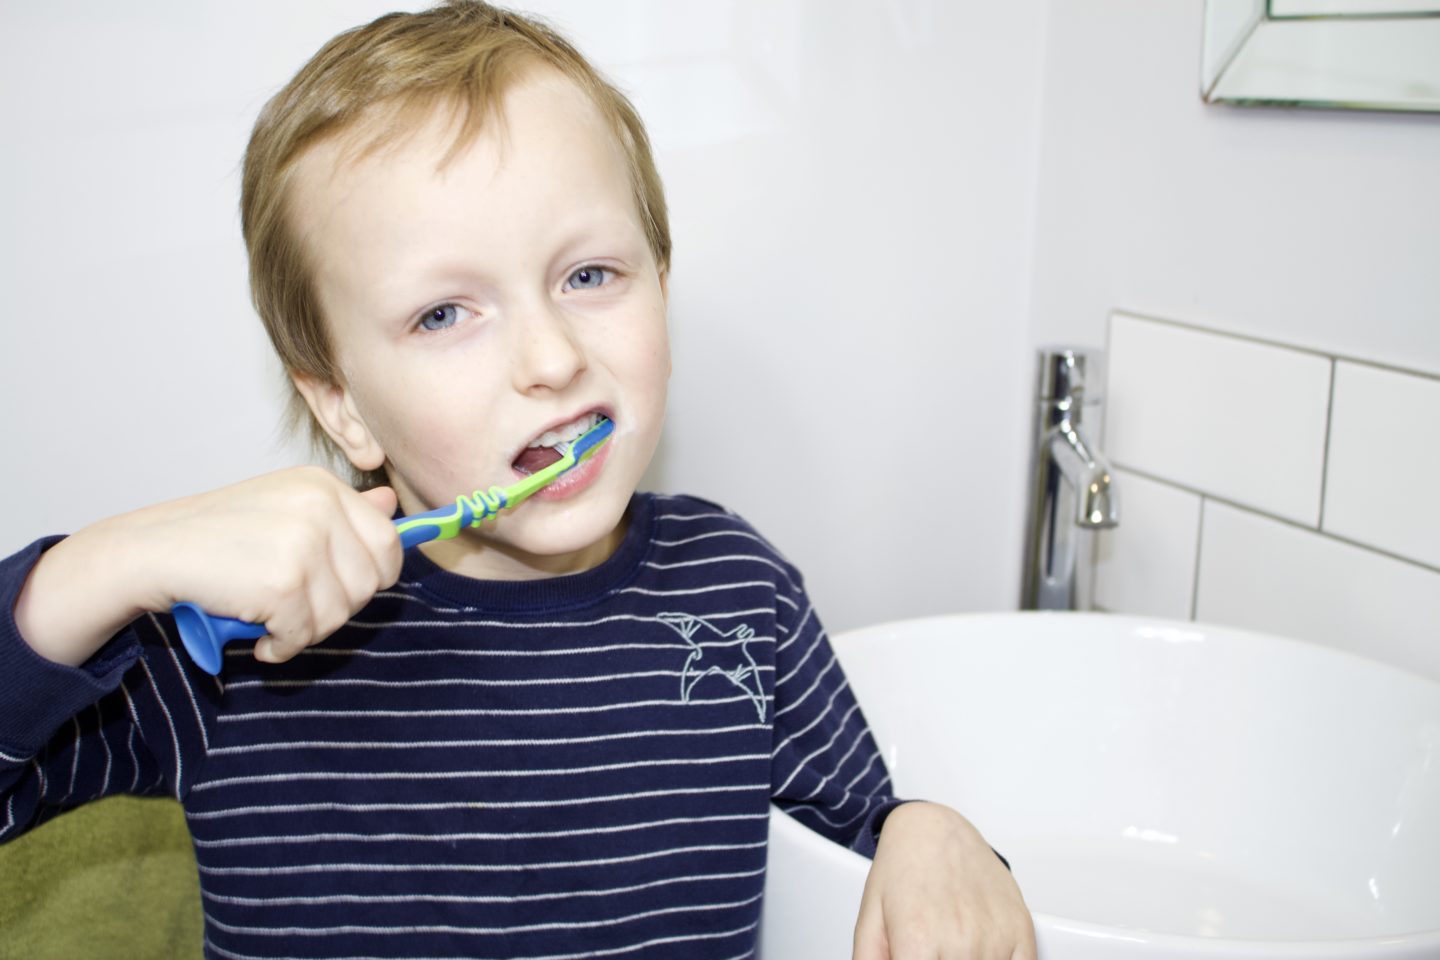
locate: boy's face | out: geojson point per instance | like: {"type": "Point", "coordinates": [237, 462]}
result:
{"type": "Point", "coordinates": [475, 308]}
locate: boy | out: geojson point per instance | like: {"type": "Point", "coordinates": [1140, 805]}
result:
{"type": "Point", "coordinates": [554, 736]}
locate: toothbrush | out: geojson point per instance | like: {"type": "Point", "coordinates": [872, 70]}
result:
{"type": "Point", "coordinates": [204, 635]}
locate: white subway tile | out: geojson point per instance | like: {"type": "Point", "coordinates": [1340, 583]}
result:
{"type": "Point", "coordinates": [1225, 416]}
{"type": "Point", "coordinates": [1146, 565]}
{"type": "Point", "coordinates": [1383, 481]}
{"type": "Point", "coordinates": [1263, 574]}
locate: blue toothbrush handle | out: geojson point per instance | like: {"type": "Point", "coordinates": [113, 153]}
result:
{"type": "Point", "coordinates": [205, 635]}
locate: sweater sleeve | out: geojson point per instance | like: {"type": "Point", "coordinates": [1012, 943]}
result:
{"type": "Point", "coordinates": [826, 769]}
{"type": "Point", "coordinates": [116, 724]}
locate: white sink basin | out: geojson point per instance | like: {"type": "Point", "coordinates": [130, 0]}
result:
{"type": "Point", "coordinates": [1161, 789]}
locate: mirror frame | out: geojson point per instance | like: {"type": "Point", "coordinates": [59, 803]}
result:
{"type": "Point", "coordinates": [1253, 56]}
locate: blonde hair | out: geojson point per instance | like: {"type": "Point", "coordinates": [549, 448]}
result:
{"type": "Point", "coordinates": [400, 67]}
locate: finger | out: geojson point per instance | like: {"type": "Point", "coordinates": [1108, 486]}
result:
{"type": "Point", "coordinates": [294, 626]}
{"type": "Point", "coordinates": [356, 572]}
{"type": "Point", "coordinates": [869, 941]}
{"type": "Point", "coordinates": [329, 606]}
{"type": "Point", "coordinates": [372, 525]}
{"type": "Point", "coordinates": [383, 499]}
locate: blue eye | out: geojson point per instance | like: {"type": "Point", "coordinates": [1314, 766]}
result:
{"type": "Point", "coordinates": [441, 317]}
{"type": "Point", "coordinates": [587, 278]}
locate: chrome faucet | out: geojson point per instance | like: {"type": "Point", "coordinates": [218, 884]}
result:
{"type": "Point", "coordinates": [1072, 490]}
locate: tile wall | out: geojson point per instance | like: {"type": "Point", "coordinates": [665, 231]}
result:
{"type": "Point", "coordinates": [1273, 488]}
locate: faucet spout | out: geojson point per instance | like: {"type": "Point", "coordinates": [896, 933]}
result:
{"type": "Point", "coordinates": [1072, 489]}
{"type": "Point", "coordinates": [1088, 473]}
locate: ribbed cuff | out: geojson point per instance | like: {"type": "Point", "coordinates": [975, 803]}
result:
{"type": "Point", "coordinates": [869, 836]}
{"type": "Point", "coordinates": [871, 833]}
{"type": "Point", "coordinates": [38, 695]}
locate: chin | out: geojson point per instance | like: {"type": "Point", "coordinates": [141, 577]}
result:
{"type": "Point", "coordinates": [567, 528]}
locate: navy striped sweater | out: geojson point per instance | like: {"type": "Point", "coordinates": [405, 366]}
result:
{"type": "Point", "coordinates": [573, 767]}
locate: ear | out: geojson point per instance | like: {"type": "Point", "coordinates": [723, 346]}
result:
{"type": "Point", "coordinates": [334, 407]}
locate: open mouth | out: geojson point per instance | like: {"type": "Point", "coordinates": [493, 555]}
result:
{"type": "Point", "coordinates": [551, 445]}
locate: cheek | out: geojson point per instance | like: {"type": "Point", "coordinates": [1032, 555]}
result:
{"type": "Point", "coordinates": [648, 349]}
{"type": "Point", "coordinates": [420, 420]}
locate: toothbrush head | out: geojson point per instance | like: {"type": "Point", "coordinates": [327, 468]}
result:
{"type": "Point", "coordinates": [572, 454]}
{"type": "Point", "coordinates": [583, 447]}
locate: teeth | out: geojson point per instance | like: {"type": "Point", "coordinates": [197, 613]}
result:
{"type": "Point", "coordinates": [568, 432]}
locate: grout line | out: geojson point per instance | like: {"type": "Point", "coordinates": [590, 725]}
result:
{"type": "Point", "coordinates": [1325, 456]}
{"type": "Point", "coordinates": [1278, 344]}
{"type": "Point", "coordinates": [1245, 508]}
{"type": "Point", "coordinates": [1195, 581]}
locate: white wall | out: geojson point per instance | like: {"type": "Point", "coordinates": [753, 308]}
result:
{"type": "Point", "coordinates": [1274, 479]}
{"type": "Point", "coordinates": [1309, 227]}
{"type": "Point", "coordinates": [851, 187]}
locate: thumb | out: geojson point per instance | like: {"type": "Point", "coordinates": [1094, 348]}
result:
{"type": "Point", "coordinates": [382, 499]}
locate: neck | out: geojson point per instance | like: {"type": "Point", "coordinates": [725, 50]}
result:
{"type": "Point", "coordinates": [470, 556]}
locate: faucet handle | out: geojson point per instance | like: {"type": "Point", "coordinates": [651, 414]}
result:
{"type": "Point", "coordinates": [1071, 373]}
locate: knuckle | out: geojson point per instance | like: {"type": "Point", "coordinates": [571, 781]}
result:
{"type": "Point", "coordinates": [330, 622]}
{"type": "Point", "coordinates": [284, 581]}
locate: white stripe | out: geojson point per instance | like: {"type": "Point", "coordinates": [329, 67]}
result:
{"type": "Point", "coordinates": [74, 757]}
{"type": "Point", "coordinates": [697, 590]}
{"type": "Point", "coordinates": [466, 774]}
{"type": "Point", "coordinates": [180, 669]}
{"type": "Point", "coordinates": [820, 750]}
{"type": "Point", "coordinates": [423, 601]}
{"type": "Point", "coordinates": [104, 742]}
{"type": "Point", "coordinates": [826, 820]}
{"type": "Point", "coordinates": [342, 898]}
{"type": "Point", "coordinates": [708, 536]}
{"type": "Point", "coordinates": [9, 759]}
{"type": "Point", "coordinates": [859, 739]}
{"type": "Point", "coordinates": [327, 650]}
{"type": "Point", "coordinates": [350, 929]}
{"type": "Point", "coordinates": [819, 639]}
{"type": "Point", "coordinates": [324, 682]}
{"type": "Point", "coordinates": [588, 800]}
{"type": "Point", "coordinates": [278, 871]}
{"type": "Point", "coordinates": [861, 775]}
{"type": "Point", "coordinates": [796, 630]}
{"type": "Point", "coordinates": [10, 814]}
{"type": "Point", "coordinates": [695, 516]}
{"type": "Point", "coordinates": [517, 712]}
{"type": "Point", "coordinates": [546, 625]}
{"type": "Point", "coordinates": [282, 839]}
{"type": "Point", "coordinates": [44, 783]}
{"type": "Point", "coordinates": [726, 558]}
{"type": "Point", "coordinates": [818, 677]}
{"type": "Point", "coordinates": [845, 685]}
{"type": "Point", "coordinates": [452, 744]}
{"type": "Point", "coordinates": [608, 952]}
{"type": "Point", "coordinates": [174, 735]}
{"type": "Point", "coordinates": [130, 741]}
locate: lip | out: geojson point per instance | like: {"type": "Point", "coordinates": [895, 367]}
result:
{"type": "Point", "coordinates": [578, 479]}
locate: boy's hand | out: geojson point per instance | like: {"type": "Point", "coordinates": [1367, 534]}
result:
{"type": "Point", "coordinates": [297, 550]}
{"type": "Point", "coordinates": [937, 890]}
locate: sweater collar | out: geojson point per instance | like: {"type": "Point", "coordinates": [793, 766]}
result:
{"type": "Point", "coordinates": [548, 594]}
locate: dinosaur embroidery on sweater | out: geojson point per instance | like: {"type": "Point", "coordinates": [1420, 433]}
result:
{"type": "Point", "coordinates": [714, 652]}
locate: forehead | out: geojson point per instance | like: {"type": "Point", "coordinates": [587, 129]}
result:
{"type": "Point", "coordinates": [395, 186]}
{"type": "Point", "coordinates": [532, 92]}
{"type": "Point", "coordinates": [543, 121]}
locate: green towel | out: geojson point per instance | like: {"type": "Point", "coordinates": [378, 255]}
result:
{"type": "Point", "coordinates": [113, 879]}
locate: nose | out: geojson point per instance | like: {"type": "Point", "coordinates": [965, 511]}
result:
{"type": "Point", "coordinates": [548, 355]}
